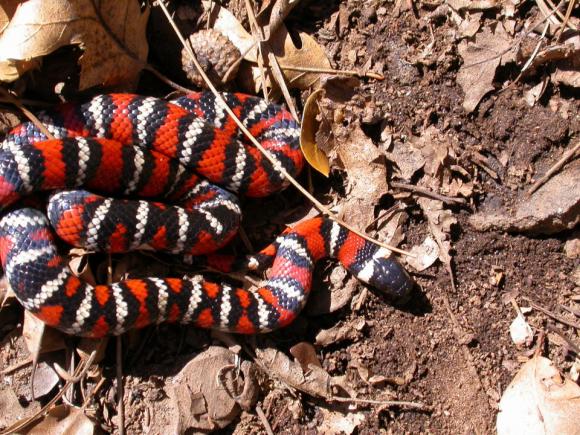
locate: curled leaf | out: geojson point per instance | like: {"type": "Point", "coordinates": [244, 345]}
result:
{"type": "Point", "coordinates": [310, 124]}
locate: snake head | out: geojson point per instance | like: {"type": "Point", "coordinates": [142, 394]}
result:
{"type": "Point", "coordinates": [389, 277]}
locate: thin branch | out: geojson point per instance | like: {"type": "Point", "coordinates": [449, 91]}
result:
{"type": "Point", "coordinates": [551, 314]}
{"type": "Point", "coordinates": [338, 72]}
{"type": "Point", "coordinates": [259, 146]}
{"type": "Point", "coordinates": [426, 192]}
{"type": "Point", "coordinates": [12, 99]}
{"type": "Point", "coordinates": [389, 403]}
{"type": "Point", "coordinates": [568, 155]}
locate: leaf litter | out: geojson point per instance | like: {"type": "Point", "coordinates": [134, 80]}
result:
{"type": "Point", "coordinates": [381, 148]}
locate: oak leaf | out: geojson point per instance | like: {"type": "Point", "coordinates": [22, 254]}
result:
{"type": "Point", "coordinates": [111, 34]}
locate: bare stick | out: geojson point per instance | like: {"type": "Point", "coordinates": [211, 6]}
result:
{"type": "Point", "coordinates": [337, 72]}
{"type": "Point", "coordinates": [427, 192]}
{"type": "Point", "coordinates": [552, 315]}
{"type": "Point", "coordinates": [264, 420]}
{"type": "Point", "coordinates": [267, 154]}
{"type": "Point", "coordinates": [16, 427]}
{"type": "Point", "coordinates": [121, 405]}
{"type": "Point", "coordinates": [26, 112]}
{"type": "Point", "coordinates": [389, 403]}
{"type": "Point", "coordinates": [557, 166]}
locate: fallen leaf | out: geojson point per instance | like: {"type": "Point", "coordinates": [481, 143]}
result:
{"type": "Point", "coordinates": [309, 128]}
{"type": "Point", "coordinates": [425, 255]}
{"type": "Point", "coordinates": [228, 25]}
{"type": "Point", "coordinates": [480, 60]}
{"type": "Point", "coordinates": [7, 9]}
{"type": "Point", "coordinates": [520, 332]}
{"type": "Point", "coordinates": [213, 400]}
{"type": "Point", "coordinates": [40, 338]}
{"type": "Point", "coordinates": [539, 401]}
{"type": "Point", "coordinates": [65, 420]}
{"type": "Point", "coordinates": [45, 379]}
{"type": "Point", "coordinates": [315, 381]}
{"type": "Point", "coordinates": [337, 334]}
{"type": "Point", "coordinates": [337, 423]}
{"type": "Point", "coordinates": [305, 354]}
{"type": "Point", "coordinates": [554, 207]}
{"type": "Point", "coordinates": [366, 176]}
{"type": "Point", "coordinates": [39, 28]}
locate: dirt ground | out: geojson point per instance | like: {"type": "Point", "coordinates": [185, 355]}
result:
{"type": "Point", "coordinates": [447, 348]}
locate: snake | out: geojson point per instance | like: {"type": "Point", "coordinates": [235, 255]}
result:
{"type": "Point", "coordinates": [124, 172]}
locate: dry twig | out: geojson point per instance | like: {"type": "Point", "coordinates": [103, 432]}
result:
{"type": "Point", "coordinates": [568, 155]}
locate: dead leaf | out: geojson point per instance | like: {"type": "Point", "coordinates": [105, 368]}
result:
{"type": "Point", "coordinates": [40, 338]}
{"type": "Point", "coordinates": [45, 379]}
{"type": "Point", "coordinates": [366, 176]}
{"type": "Point", "coordinates": [64, 420]}
{"type": "Point", "coordinates": [440, 222]}
{"type": "Point", "coordinates": [480, 60]}
{"type": "Point", "coordinates": [210, 401]}
{"type": "Point", "coordinates": [554, 207]}
{"type": "Point", "coordinates": [309, 55]}
{"type": "Point", "coordinates": [425, 255]}
{"type": "Point", "coordinates": [338, 423]}
{"type": "Point", "coordinates": [228, 25]}
{"type": "Point", "coordinates": [539, 401]}
{"type": "Point", "coordinates": [339, 333]}
{"type": "Point", "coordinates": [7, 9]}
{"type": "Point", "coordinates": [309, 128]}
{"type": "Point", "coordinates": [305, 354]}
{"type": "Point", "coordinates": [520, 332]}
{"type": "Point", "coordinates": [315, 381]}
{"type": "Point", "coordinates": [38, 28]}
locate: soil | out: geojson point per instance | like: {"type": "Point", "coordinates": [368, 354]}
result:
{"type": "Point", "coordinates": [459, 369]}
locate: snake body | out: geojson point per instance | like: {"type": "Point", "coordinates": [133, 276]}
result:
{"type": "Point", "coordinates": [176, 152]}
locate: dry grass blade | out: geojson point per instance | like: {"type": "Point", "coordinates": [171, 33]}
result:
{"type": "Point", "coordinates": [266, 154]}
{"type": "Point", "coordinates": [81, 369]}
{"type": "Point", "coordinates": [275, 70]}
{"type": "Point", "coordinates": [568, 155]}
{"type": "Point", "coordinates": [13, 100]}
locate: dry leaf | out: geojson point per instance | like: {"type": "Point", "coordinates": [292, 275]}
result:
{"type": "Point", "coordinates": [539, 401]}
{"type": "Point", "coordinates": [480, 60]}
{"type": "Point", "coordinates": [7, 9]}
{"type": "Point", "coordinates": [337, 423]}
{"type": "Point", "coordinates": [520, 332]}
{"type": "Point", "coordinates": [425, 255]}
{"type": "Point", "coordinates": [367, 176]}
{"type": "Point", "coordinates": [64, 420]}
{"type": "Point", "coordinates": [213, 400]}
{"type": "Point", "coordinates": [40, 338]}
{"type": "Point", "coordinates": [40, 27]}
{"type": "Point", "coordinates": [315, 381]}
{"type": "Point", "coordinates": [310, 124]}
{"type": "Point", "coordinates": [554, 207]}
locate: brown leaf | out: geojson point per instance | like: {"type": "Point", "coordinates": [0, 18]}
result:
{"type": "Point", "coordinates": [40, 338]}
{"type": "Point", "coordinates": [554, 207]}
{"type": "Point", "coordinates": [367, 176]}
{"type": "Point", "coordinates": [480, 60]}
{"type": "Point", "coordinates": [39, 27]}
{"type": "Point", "coordinates": [310, 124]}
{"type": "Point", "coordinates": [539, 401]}
{"type": "Point", "coordinates": [315, 381]}
{"type": "Point", "coordinates": [212, 400]}
{"type": "Point", "coordinates": [7, 9]}
{"type": "Point", "coordinates": [64, 420]}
